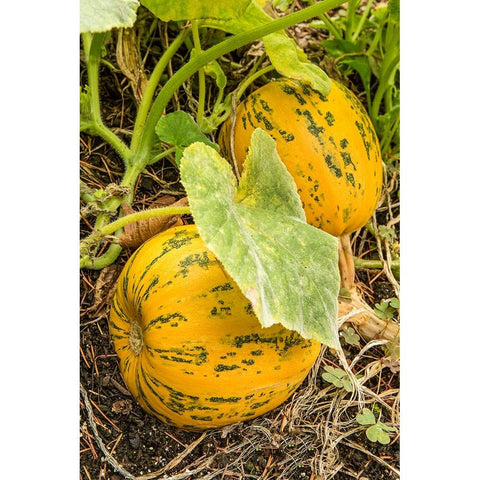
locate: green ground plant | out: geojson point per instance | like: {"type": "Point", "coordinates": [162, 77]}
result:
{"type": "Point", "coordinates": [377, 431]}
{"type": "Point", "coordinates": [368, 45]}
{"type": "Point", "coordinates": [337, 377]}
{"type": "Point", "coordinates": [387, 308]}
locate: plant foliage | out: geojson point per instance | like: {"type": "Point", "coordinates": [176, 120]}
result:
{"type": "Point", "coordinates": [257, 229]}
{"type": "Point", "coordinates": [103, 15]}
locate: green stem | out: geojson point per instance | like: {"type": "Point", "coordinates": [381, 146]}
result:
{"type": "Point", "coordinates": [86, 42]}
{"type": "Point", "coordinates": [138, 158]}
{"type": "Point", "coordinates": [102, 219]}
{"type": "Point", "coordinates": [142, 215]}
{"type": "Point", "coordinates": [351, 9]}
{"type": "Point", "coordinates": [385, 144]}
{"type": "Point", "coordinates": [218, 101]}
{"type": "Point", "coordinates": [162, 155]}
{"type": "Point", "coordinates": [129, 179]}
{"type": "Point", "coordinates": [152, 85]}
{"type": "Point", "coordinates": [388, 71]}
{"type": "Point", "coordinates": [374, 264]}
{"type": "Point", "coordinates": [378, 265]}
{"type": "Point", "coordinates": [376, 39]}
{"type": "Point", "coordinates": [104, 260]}
{"type": "Point", "coordinates": [102, 131]}
{"type": "Point", "coordinates": [86, 197]}
{"type": "Point", "coordinates": [232, 43]}
{"type": "Point", "coordinates": [387, 97]}
{"type": "Point", "coordinates": [330, 26]}
{"type": "Point", "coordinates": [93, 64]}
{"type": "Point", "coordinates": [201, 74]}
{"type": "Point", "coordinates": [248, 81]}
{"type": "Point", "coordinates": [391, 35]}
{"type": "Point", "coordinates": [116, 227]}
{"type": "Point", "coordinates": [362, 20]}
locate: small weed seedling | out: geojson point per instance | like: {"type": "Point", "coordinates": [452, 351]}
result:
{"type": "Point", "coordinates": [377, 430]}
{"type": "Point", "coordinates": [338, 377]}
{"type": "Point", "coordinates": [350, 336]}
{"type": "Point", "coordinates": [387, 233]}
{"type": "Point", "coordinates": [387, 308]}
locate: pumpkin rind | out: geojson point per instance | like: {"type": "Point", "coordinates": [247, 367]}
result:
{"type": "Point", "coordinates": [327, 143]}
{"type": "Point", "coordinates": [204, 360]}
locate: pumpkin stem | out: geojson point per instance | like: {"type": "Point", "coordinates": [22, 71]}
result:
{"type": "Point", "coordinates": [136, 337]}
{"type": "Point", "coordinates": [346, 262]}
{"type": "Point", "coordinates": [369, 325]}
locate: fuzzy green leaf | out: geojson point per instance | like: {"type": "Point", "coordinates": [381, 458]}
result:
{"type": "Point", "coordinates": [347, 384]}
{"type": "Point", "coordinates": [256, 228]}
{"type": "Point", "coordinates": [336, 372]}
{"type": "Point", "coordinates": [288, 59]}
{"type": "Point", "coordinates": [366, 417]}
{"type": "Point", "coordinates": [375, 433]}
{"type": "Point", "coordinates": [352, 55]}
{"type": "Point", "coordinates": [350, 336]}
{"type": "Point", "coordinates": [337, 47]}
{"type": "Point", "coordinates": [180, 130]}
{"type": "Point", "coordinates": [395, 302]}
{"type": "Point", "coordinates": [104, 15]}
{"type": "Point", "coordinates": [214, 70]}
{"type": "Point", "coordinates": [394, 9]}
{"type": "Point", "coordinates": [385, 427]}
{"type": "Point", "coordinates": [338, 377]}
{"type": "Point", "coordinates": [168, 10]}
{"type": "Point", "coordinates": [328, 377]}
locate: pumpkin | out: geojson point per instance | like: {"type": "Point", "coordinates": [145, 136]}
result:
{"type": "Point", "coordinates": [190, 347]}
{"type": "Point", "coordinates": [327, 143]}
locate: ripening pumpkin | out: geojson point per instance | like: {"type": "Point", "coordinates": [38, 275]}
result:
{"type": "Point", "coordinates": [327, 143]}
{"type": "Point", "coordinates": [191, 349]}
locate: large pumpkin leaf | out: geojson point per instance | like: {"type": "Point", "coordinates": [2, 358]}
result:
{"type": "Point", "coordinates": [256, 228]}
{"type": "Point", "coordinates": [103, 15]}
{"type": "Point", "coordinates": [168, 10]}
{"type": "Point", "coordinates": [288, 59]}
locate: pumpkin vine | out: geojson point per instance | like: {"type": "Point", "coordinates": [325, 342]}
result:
{"type": "Point", "coordinates": [138, 155]}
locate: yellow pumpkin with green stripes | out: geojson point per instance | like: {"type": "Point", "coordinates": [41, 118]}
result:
{"type": "Point", "coordinates": [190, 347]}
{"type": "Point", "coordinates": [327, 143]}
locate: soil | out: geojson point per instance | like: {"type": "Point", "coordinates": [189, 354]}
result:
{"type": "Point", "coordinates": [120, 440]}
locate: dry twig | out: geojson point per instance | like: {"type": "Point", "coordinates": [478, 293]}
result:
{"type": "Point", "coordinates": [108, 457]}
